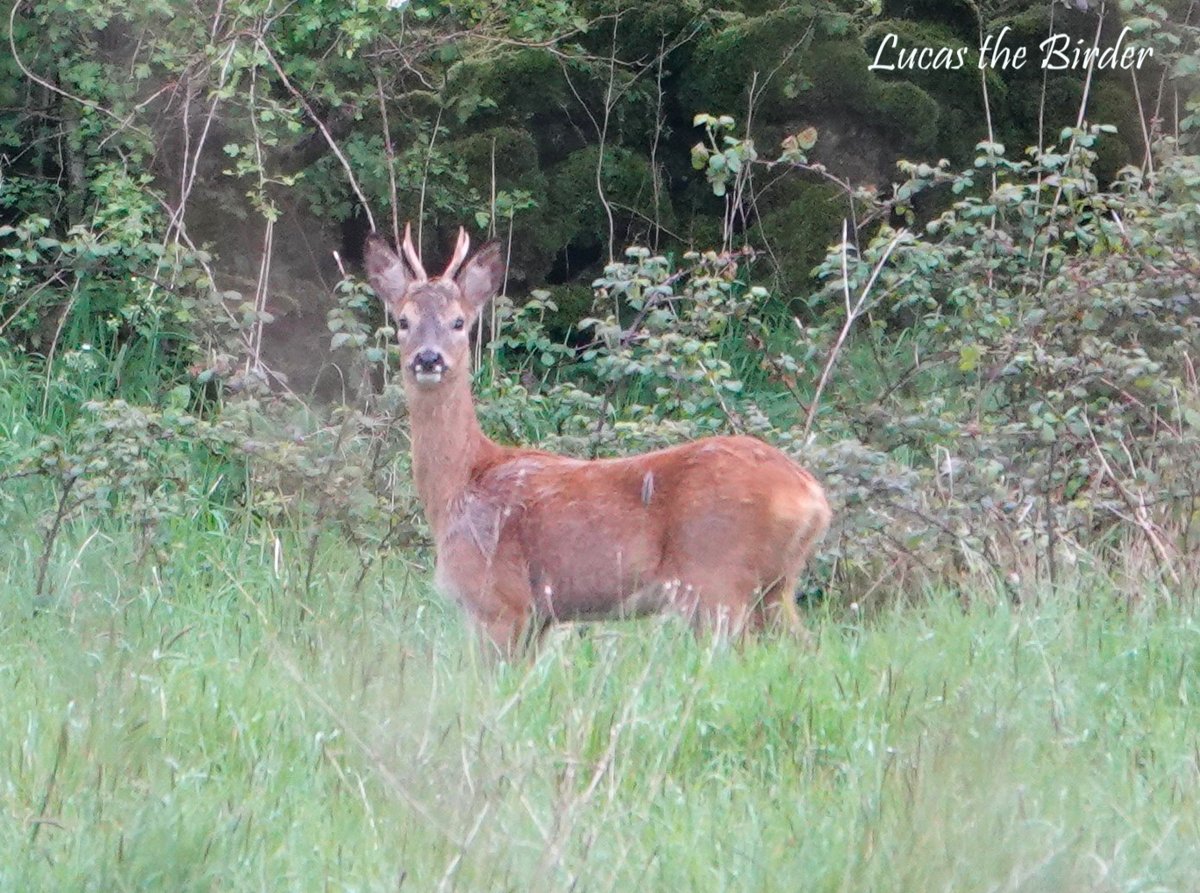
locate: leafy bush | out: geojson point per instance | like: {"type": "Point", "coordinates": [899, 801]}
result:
{"type": "Point", "coordinates": [991, 370]}
{"type": "Point", "coordinates": [1051, 406]}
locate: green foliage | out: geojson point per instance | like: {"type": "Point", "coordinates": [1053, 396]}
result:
{"type": "Point", "coordinates": [661, 354]}
{"type": "Point", "coordinates": [579, 213]}
{"type": "Point", "coordinates": [910, 113]}
{"type": "Point", "coordinates": [1054, 315]}
{"type": "Point", "coordinates": [111, 284]}
{"type": "Point", "coordinates": [523, 88]}
{"type": "Point", "coordinates": [730, 59]}
{"type": "Point", "coordinates": [544, 126]}
{"type": "Point", "coordinates": [1043, 400]}
{"type": "Point", "coordinates": [1064, 312]}
{"type": "Point", "coordinates": [797, 232]}
{"type": "Point", "coordinates": [724, 156]}
{"type": "Point", "coordinates": [280, 116]}
{"type": "Point", "coordinates": [505, 160]}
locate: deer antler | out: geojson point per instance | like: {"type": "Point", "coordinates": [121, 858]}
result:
{"type": "Point", "coordinates": [410, 254]}
{"type": "Point", "coordinates": [460, 254]}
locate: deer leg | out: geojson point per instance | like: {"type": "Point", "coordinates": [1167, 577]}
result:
{"type": "Point", "coordinates": [502, 633]}
{"type": "Point", "coordinates": [777, 608]}
{"type": "Point", "coordinates": [725, 604]}
{"type": "Point", "coordinates": [513, 631]}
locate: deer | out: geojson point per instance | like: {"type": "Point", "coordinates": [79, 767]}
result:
{"type": "Point", "coordinates": [716, 530]}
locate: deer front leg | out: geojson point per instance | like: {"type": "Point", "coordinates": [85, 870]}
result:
{"type": "Point", "coordinates": [511, 632]}
{"type": "Point", "coordinates": [505, 614]}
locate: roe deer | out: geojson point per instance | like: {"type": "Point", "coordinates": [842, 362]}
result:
{"type": "Point", "coordinates": [716, 530]}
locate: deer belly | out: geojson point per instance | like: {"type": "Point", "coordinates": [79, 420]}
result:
{"type": "Point", "coordinates": [596, 578]}
{"type": "Point", "coordinates": [571, 601]}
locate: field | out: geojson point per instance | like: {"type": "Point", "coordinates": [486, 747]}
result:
{"type": "Point", "coordinates": [193, 728]}
{"type": "Point", "coordinates": [965, 300]}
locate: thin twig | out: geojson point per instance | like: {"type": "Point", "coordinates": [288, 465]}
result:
{"type": "Point", "coordinates": [1058, 192]}
{"type": "Point", "coordinates": [54, 88]}
{"type": "Point", "coordinates": [330, 141]}
{"type": "Point", "coordinates": [437, 123]}
{"type": "Point", "coordinates": [1137, 508]}
{"type": "Point", "coordinates": [853, 311]}
{"type": "Point", "coordinates": [390, 148]}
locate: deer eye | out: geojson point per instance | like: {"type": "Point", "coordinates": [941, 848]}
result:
{"type": "Point", "coordinates": [459, 323]}
{"type": "Point", "coordinates": [402, 324]}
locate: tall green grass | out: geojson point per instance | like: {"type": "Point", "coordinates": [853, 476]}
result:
{"type": "Point", "coordinates": [188, 727]}
{"type": "Point", "coordinates": [207, 717]}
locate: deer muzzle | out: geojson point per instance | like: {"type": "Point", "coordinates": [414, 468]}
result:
{"type": "Point", "coordinates": [428, 366]}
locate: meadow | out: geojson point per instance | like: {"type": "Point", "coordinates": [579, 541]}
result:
{"type": "Point", "coordinates": [967, 304]}
{"type": "Point", "coordinates": [194, 727]}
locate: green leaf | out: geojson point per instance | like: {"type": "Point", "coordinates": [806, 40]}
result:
{"type": "Point", "coordinates": [179, 396]}
{"type": "Point", "coordinates": [968, 357]}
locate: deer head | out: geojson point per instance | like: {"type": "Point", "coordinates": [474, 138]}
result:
{"type": "Point", "coordinates": [433, 316]}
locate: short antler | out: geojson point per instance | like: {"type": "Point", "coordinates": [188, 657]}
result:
{"type": "Point", "coordinates": [410, 254]}
{"type": "Point", "coordinates": [460, 254]}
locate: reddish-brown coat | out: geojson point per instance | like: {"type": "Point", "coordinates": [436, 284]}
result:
{"type": "Point", "coordinates": [717, 530]}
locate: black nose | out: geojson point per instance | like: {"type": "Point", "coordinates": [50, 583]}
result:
{"type": "Point", "coordinates": [428, 361]}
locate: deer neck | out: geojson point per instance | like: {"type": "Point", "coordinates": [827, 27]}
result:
{"type": "Point", "coordinates": [447, 446]}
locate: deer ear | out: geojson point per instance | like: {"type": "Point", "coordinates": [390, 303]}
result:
{"type": "Point", "coordinates": [388, 274]}
{"type": "Point", "coordinates": [481, 277]}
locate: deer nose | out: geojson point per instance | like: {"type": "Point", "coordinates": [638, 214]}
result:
{"type": "Point", "coordinates": [428, 360]}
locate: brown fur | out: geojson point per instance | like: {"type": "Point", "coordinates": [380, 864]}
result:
{"type": "Point", "coordinates": [717, 530]}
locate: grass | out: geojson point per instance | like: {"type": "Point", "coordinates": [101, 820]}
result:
{"type": "Point", "coordinates": [187, 728]}
{"type": "Point", "coordinates": [202, 720]}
